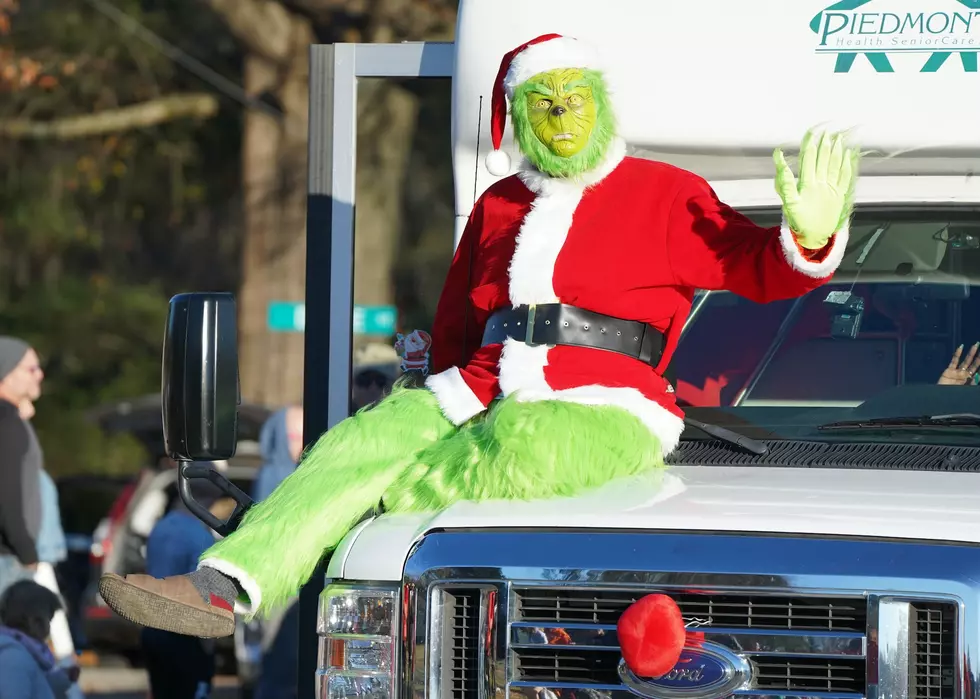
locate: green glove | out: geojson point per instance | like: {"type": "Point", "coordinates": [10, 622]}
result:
{"type": "Point", "coordinates": [820, 202]}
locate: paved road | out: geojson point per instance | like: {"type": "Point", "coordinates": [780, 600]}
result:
{"type": "Point", "coordinates": [125, 683]}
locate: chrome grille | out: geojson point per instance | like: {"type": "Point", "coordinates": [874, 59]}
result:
{"type": "Point", "coordinates": [932, 672]}
{"type": "Point", "coordinates": [831, 620]}
{"type": "Point", "coordinates": [566, 665]}
{"type": "Point", "coordinates": [557, 605]}
{"type": "Point", "coordinates": [462, 619]}
{"type": "Point", "coordinates": [599, 667]}
{"type": "Point", "coordinates": [796, 644]}
{"type": "Point", "coordinates": [797, 675]}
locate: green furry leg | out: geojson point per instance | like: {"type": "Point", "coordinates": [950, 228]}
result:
{"type": "Point", "coordinates": [282, 539]}
{"type": "Point", "coordinates": [527, 451]}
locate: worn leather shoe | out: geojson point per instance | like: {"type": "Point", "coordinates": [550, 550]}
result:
{"type": "Point", "coordinates": [169, 604]}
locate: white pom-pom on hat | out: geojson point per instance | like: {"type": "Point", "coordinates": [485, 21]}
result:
{"type": "Point", "coordinates": [498, 163]}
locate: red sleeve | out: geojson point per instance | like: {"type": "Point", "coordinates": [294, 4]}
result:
{"type": "Point", "coordinates": [464, 374]}
{"type": "Point", "coordinates": [713, 247]}
{"type": "Point", "coordinates": [456, 334]}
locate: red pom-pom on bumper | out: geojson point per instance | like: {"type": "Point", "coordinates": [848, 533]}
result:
{"type": "Point", "coordinates": [651, 635]}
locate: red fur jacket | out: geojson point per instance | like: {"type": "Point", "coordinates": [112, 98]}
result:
{"type": "Point", "coordinates": [634, 240]}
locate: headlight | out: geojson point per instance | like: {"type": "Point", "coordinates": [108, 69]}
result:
{"type": "Point", "coordinates": [357, 626]}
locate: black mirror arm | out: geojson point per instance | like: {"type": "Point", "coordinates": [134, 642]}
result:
{"type": "Point", "coordinates": [194, 471]}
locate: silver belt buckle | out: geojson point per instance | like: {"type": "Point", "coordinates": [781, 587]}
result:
{"type": "Point", "coordinates": [529, 330]}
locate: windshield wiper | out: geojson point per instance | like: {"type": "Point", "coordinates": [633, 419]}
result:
{"type": "Point", "coordinates": [753, 446]}
{"type": "Point", "coordinates": [954, 420]}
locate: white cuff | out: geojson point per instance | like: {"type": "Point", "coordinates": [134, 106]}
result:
{"type": "Point", "coordinates": [456, 398]}
{"type": "Point", "coordinates": [825, 267]}
{"type": "Point", "coordinates": [244, 581]}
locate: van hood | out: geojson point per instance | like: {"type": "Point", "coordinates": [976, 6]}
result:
{"type": "Point", "coordinates": [920, 505]}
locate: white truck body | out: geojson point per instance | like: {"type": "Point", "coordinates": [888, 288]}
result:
{"type": "Point", "coordinates": [874, 504]}
{"type": "Point", "coordinates": [730, 82]}
{"type": "Point", "coordinates": [714, 86]}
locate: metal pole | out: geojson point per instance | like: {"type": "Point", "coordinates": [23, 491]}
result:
{"type": "Point", "coordinates": [329, 289]}
{"type": "Point", "coordinates": [330, 253]}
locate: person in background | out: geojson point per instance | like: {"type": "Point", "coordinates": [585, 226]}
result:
{"type": "Point", "coordinates": [368, 387]}
{"type": "Point", "coordinates": [281, 442]}
{"type": "Point", "coordinates": [28, 669]}
{"type": "Point", "coordinates": [180, 667]}
{"type": "Point", "coordinates": [375, 368]}
{"type": "Point", "coordinates": [961, 373]}
{"type": "Point", "coordinates": [52, 549]}
{"type": "Point", "coordinates": [20, 462]}
{"type": "Point", "coordinates": [281, 445]}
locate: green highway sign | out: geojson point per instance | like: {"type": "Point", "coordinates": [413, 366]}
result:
{"type": "Point", "coordinates": [375, 320]}
{"type": "Point", "coordinates": [289, 316]}
{"type": "Point", "coordinates": [286, 316]}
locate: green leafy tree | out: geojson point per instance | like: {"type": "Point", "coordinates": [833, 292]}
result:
{"type": "Point", "coordinates": [125, 178]}
{"type": "Point", "coordinates": [119, 188]}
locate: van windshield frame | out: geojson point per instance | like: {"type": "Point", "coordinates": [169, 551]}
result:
{"type": "Point", "coordinates": [779, 370]}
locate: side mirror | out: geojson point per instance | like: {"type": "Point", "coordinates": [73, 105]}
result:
{"type": "Point", "coordinates": [200, 378]}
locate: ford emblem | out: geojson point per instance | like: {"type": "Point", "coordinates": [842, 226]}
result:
{"type": "Point", "coordinates": [709, 671]}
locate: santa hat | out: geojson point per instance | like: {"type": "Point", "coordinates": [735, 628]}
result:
{"type": "Point", "coordinates": [539, 55]}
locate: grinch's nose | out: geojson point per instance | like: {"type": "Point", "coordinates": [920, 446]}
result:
{"type": "Point", "coordinates": [651, 635]}
{"type": "Point", "coordinates": [558, 110]}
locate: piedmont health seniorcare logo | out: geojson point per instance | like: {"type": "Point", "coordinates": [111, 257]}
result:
{"type": "Point", "coordinates": [850, 29]}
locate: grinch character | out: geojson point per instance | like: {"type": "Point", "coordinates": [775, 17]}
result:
{"type": "Point", "coordinates": [561, 309]}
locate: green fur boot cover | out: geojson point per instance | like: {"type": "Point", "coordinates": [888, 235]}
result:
{"type": "Point", "coordinates": [527, 451]}
{"type": "Point", "coordinates": [342, 476]}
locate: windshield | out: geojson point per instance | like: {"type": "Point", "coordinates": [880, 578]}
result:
{"type": "Point", "coordinates": [874, 342]}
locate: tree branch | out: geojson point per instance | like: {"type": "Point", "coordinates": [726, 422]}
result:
{"type": "Point", "coordinates": [327, 7]}
{"type": "Point", "coordinates": [128, 118]}
{"type": "Point", "coordinates": [265, 27]}
{"type": "Point", "coordinates": [396, 20]}
{"type": "Point", "coordinates": [322, 11]}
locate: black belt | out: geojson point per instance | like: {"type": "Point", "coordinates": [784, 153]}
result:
{"type": "Point", "coordinates": [560, 324]}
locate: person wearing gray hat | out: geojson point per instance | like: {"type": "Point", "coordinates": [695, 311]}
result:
{"type": "Point", "coordinates": [20, 462]}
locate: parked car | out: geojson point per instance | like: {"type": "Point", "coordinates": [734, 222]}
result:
{"type": "Point", "coordinates": [104, 630]}
{"type": "Point", "coordinates": [118, 542]}
{"type": "Point", "coordinates": [83, 501]}
{"type": "Point", "coordinates": [142, 418]}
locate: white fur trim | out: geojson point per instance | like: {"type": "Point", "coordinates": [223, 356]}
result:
{"type": "Point", "coordinates": [549, 55]}
{"type": "Point", "coordinates": [546, 227]}
{"type": "Point", "coordinates": [456, 398]}
{"type": "Point", "coordinates": [244, 580]}
{"type": "Point", "coordinates": [522, 375]}
{"type": "Point", "coordinates": [539, 243]}
{"type": "Point", "coordinates": [543, 184]}
{"type": "Point", "coordinates": [498, 163]}
{"type": "Point", "coordinates": [532, 267]}
{"type": "Point", "coordinates": [825, 267]}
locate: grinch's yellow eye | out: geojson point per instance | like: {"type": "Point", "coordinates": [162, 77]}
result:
{"type": "Point", "coordinates": [575, 100]}
{"type": "Point", "coordinates": [543, 104]}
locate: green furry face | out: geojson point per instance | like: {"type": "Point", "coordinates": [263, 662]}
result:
{"type": "Point", "coordinates": [563, 121]}
{"type": "Point", "coordinates": [561, 110]}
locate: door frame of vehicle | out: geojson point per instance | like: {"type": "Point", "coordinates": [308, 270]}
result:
{"type": "Point", "coordinates": [335, 71]}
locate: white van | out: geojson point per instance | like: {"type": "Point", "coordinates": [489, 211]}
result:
{"type": "Point", "coordinates": [831, 551]}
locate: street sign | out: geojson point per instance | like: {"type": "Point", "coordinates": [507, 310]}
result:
{"type": "Point", "coordinates": [375, 320]}
{"type": "Point", "coordinates": [287, 316]}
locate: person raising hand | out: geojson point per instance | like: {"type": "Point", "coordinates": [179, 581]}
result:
{"type": "Point", "coordinates": [961, 373]}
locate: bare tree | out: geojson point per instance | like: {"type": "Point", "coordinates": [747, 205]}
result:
{"type": "Point", "coordinates": [109, 121]}
{"type": "Point", "coordinates": [276, 36]}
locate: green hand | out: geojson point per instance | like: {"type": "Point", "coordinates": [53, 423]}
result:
{"type": "Point", "coordinates": [820, 202]}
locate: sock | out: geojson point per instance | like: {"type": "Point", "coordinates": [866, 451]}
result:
{"type": "Point", "coordinates": [210, 582]}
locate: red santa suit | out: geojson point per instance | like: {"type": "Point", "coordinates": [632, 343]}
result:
{"type": "Point", "coordinates": [632, 239]}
